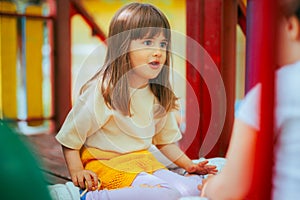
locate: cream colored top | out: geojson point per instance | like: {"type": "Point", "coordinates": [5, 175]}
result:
{"type": "Point", "coordinates": [90, 122]}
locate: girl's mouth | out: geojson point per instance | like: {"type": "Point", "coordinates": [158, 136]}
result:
{"type": "Point", "coordinates": [154, 64]}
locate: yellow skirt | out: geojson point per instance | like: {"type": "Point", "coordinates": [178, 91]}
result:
{"type": "Point", "coordinates": [118, 170]}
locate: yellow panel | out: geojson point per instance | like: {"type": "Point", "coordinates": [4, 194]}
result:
{"type": "Point", "coordinates": [103, 10]}
{"type": "Point", "coordinates": [8, 62]}
{"type": "Point", "coordinates": [34, 74]}
{"type": "Point", "coordinates": [240, 64]}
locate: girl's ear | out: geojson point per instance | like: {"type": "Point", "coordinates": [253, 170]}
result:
{"type": "Point", "coordinates": [294, 28]}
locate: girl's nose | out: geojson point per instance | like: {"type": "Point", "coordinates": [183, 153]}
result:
{"type": "Point", "coordinates": [157, 53]}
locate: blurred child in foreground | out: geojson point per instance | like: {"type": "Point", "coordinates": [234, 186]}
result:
{"type": "Point", "coordinates": [235, 179]}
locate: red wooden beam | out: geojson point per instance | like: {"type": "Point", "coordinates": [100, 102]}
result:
{"type": "Point", "coordinates": [212, 44]}
{"type": "Point", "coordinates": [205, 25]}
{"type": "Point", "coordinates": [62, 62]}
{"type": "Point", "coordinates": [228, 71]}
{"type": "Point", "coordinates": [262, 49]}
{"type": "Point", "coordinates": [242, 16]}
{"type": "Point", "coordinates": [30, 16]}
{"type": "Point", "coordinates": [96, 30]}
{"type": "Point", "coordinates": [190, 142]}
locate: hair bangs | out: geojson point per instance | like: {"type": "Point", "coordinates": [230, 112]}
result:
{"type": "Point", "coordinates": [149, 32]}
{"type": "Point", "coordinates": [149, 22]}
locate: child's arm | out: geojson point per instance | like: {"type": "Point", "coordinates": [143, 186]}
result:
{"type": "Point", "coordinates": [79, 175]}
{"type": "Point", "coordinates": [176, 155]}
{"type": "Point", "coordinates": [234, 181]}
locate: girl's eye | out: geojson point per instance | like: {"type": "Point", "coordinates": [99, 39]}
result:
{"type": "Point", "coordinates": [148, 42]}
{"type": "Point", "coordinates": [163, 45]}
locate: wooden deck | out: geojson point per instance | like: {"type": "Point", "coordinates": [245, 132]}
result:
{"type": "Point", "coordinates": [50, 154]}
{"type": "Point", "coordinates": [52, 161]}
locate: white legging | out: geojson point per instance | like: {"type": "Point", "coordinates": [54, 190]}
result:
{"type": "Point", "coordinates": [162, 184]}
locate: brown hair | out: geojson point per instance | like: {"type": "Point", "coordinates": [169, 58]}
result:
{"type": "Point", "coordinates": [134, 21]}
{"type": "Point", "coordinates": [290, 7]}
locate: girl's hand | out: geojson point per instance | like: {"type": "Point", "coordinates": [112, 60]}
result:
{"type": "Point", "coordinates": [203, 186]}
{"type": "Point", "coordinates": [202, 168]}
{"type": "Point", "coordinates": [85, 179]}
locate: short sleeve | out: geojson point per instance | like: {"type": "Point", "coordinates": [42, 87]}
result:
{"type": "Point", "coordinates": [248, 110]}
{"type": "Point", "coordinates": [85, 118]}
{"type": "Point", "coordinates": [167, 130]}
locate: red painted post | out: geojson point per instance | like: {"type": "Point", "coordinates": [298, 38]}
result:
{"type": "Point", "coordinates": [195, 16]}
{"type": "Point", "coordinates": [62, 62]}
{"type": "Point", "coordinates": [242, 16]}
{"type": "Point", "coordinates": [229, 19]}
{"type": "Point", "coordinates": [212, 43]}
{"type": "Point", "coordinates": [262, 56]}
{"type": "Point", "coordinates": [96, 30]}
{"type": "Point", "coordinates": [206, 25]}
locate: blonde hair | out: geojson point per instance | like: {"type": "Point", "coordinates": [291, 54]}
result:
{"type": "Point", "coordinates": [134, 21]}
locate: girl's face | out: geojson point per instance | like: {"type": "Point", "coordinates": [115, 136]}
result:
{"type": "Point", "coordinates": [147, 57]}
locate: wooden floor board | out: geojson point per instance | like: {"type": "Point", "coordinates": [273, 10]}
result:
{"type": "Point", "coordinates": [50, 155]}
{"type": "Point", "coordinates": [48, 151]}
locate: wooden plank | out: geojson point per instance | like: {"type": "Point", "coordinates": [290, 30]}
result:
{"type": "Point", "coordinates": [51, 158]}
{"type": "Point", "coordinates": [34, 74]}
{"type": "Point", "coordinates": [204, 25]}
{"type": "Point", "coordinates": [212, 24]}
{"type": "Point", "coordinates": [228, 71]}
{"type": "Point", "coordinates": [62, 65]}
{"type": "Point", "coordinates": [8, 62]}
{"type": "Point", "coordinates": [195, 16]}
{"type": "Point", "coordinates": [262, 30]}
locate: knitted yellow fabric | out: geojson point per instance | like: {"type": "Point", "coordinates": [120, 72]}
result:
{"type": "Point", "coordinates": [118, 170]}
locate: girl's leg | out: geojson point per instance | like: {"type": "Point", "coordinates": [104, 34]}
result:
{"type": "Point", "coordinates": [186, 185]}
{"type": "Point", "coordinates": [145, 186]}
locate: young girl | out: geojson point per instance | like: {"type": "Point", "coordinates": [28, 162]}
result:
{"type": "Point", "coordinates": [286, 176]}
{"type": "Point", "coordinates": [124, 109]}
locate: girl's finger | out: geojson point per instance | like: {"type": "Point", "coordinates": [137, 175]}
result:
{"type": "Point", "coordinates": [200, 187]}
{"type": "Point", "coordinates": [88, 182]}
{"type": "Point", "coordinates": [81, 182]}
{"type": "Point", "coordinates": [95, 181]}
{"type": "Point", "coordinates": [74, 180]}
{"type": "Point", "coordinates": [202, 163]}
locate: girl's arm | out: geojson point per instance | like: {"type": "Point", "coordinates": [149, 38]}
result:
{"type": "Point", "coordinates": [174, 153]}
{"type": "Point", "coordinates": [79, 175]}
{"type": "Point", "coordinates": [177, 156]}
{"type": "Point", "coordinates": [234, 181]}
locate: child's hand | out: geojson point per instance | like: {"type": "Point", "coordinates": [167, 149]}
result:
{"type": "Point", "coordinates": [85, 179]}
{"type": "Point", "coordinates": [202, 187]}
{"type": "Point", "coordinates": [202, 168]}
